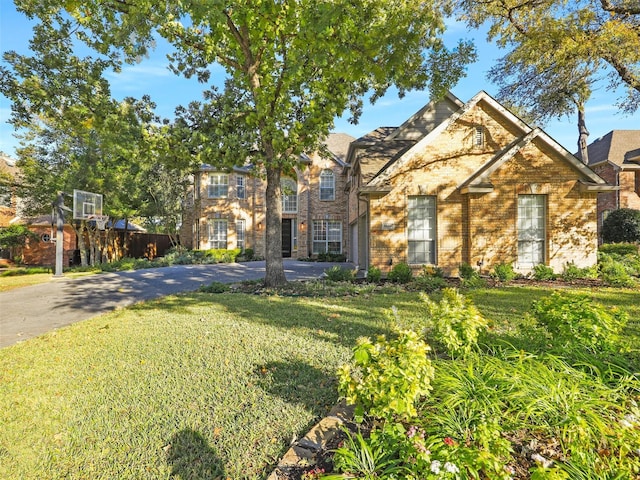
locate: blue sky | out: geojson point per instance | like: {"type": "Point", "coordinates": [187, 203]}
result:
{"type": "Point", "coordinates": [152, 77]}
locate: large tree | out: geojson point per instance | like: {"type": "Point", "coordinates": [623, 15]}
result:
{"type": "Point", "coordinates": [557, 50]}
{"type": "Point", "coordinates": [291, 67]}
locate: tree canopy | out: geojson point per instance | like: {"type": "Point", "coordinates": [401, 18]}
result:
{"type": "Point", "coordinates": [291, 68]}
{"type": "Point", "coordinates": [558, 50]}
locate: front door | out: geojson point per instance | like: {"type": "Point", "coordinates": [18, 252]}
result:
{"type": "Point", "coordinates": [286, 237]}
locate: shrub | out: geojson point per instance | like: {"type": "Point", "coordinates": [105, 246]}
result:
{"type": "Point", "coordinates": [400, 273]}
{"type": "Point", "coordinates": [467, 271]}
{"type": "Point", "coordinates": [331, 257]}
{"type": "Point", "coordinates": [388, 377]}
{"type": "Point", "coordinates": [339, 274]}
{"type": "Point", "coordinates": [622, 225]}
{"type": "Point", "coordinates": [454, 322]}
{"type": "Point", "coordinates": [620, 248]}
{"type": "Point", "coordinates": [614, 273]}
{"type": "Point", "coordinates": [572, 272]}
{"type": "Point", "coordinates": [215, 287]}
{"type": "Point", "coordinates": [504, 272]}
{"type": "Point", "coordinates": [374, 275]}
{"type": "Point", "coordinates": [430, 279]}
{"type": "Point", "coordinates": [575, 319]}
{"type": "Point", "coordinates": [248, 254]}
{"type": "Point", "coordinates": [542, 272]}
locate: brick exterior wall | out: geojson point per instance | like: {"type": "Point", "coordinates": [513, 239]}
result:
{"type": "Point", "coordinates": [474, 227]}
{"type": "Point", "coordinates": [201, 209]}
{"type": "Point", "coordinates": [44, 253]}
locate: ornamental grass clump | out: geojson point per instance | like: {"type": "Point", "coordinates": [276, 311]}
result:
{"type": "Point", "coordinates": [453, 322]}
{"type": "Point", "coordinates": [387, 377]}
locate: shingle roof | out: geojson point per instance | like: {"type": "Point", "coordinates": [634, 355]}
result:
{"type": "Point", "coordinates": [338, 144]}
{"type": "Point", "coordinates": [377, 157]}
{"type": "Point", "coordinates": [620, 147]}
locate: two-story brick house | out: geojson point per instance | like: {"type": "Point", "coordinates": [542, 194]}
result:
{"type": "Point", "coordinates": [227, 209]}
{"type": "Point", "coordinates": [616, 158]}
{"type": "Point", "coordinates": [470, 183]}
{"type": "Point", "coordinates": [456, 183]}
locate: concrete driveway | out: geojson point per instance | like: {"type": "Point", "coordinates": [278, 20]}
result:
{"type": "Point", "coordinates": [31, 311]}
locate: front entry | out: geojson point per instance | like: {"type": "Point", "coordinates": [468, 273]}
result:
{"type": "Point", "coordinates": [286, 237]}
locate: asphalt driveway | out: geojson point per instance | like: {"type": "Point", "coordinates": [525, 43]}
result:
{"type": "Point", "coordinates": [31, 311]}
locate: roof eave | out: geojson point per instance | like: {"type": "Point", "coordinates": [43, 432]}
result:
{"type": "Point", "coordinates": [596, 187]}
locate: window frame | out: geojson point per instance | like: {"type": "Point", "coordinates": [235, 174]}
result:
{"type": "Point", "coordinates": [327, 192]}
{"type": "Point", "coordinates": [241, 234]}
{"type": "Point", "coordinates": [217, 235]}
{"type": "Point", "coordinates": [289, 201]}
{"type": "Point", "coordinates": [218, 189]}
{"type": "Point", "coordinates": [326, 233]}
{"type": "Point", "coordinates": [241, 187]}
{"type": "Point", "coordinates": [422, 229]}
{"type": "Point", "coordinates": [531, 226]}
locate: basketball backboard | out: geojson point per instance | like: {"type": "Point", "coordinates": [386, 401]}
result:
{"type": "Point", "coordinates": [86, 205]}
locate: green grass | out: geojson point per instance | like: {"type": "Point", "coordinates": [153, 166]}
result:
{"type": "Point", "coordinates": [200, 386]}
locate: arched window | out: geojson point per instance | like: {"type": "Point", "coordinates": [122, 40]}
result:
{"type": "Point", "coordinates": [289, 195]}
{"type": "Point", "coordinates": [327, 185]}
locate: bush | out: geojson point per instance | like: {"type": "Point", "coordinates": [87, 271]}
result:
{"type": "Point", "coordinates": [388, 377]}
{"type": "Point", "coordinates": [614, 272]}
{"type": "Point", "coordinates": [572, 272]}
{"type": "Point", "coordinates": [622, 225]}
{"type": "Point", "coordinates": [542, 272]}
{"type": "Point", "coordinates": [339, 274]}
{"type": "Point", "coordinates": [215, 287]}
{"type": "Point", "coordinates": [454, 322]}
{"type": "Point", "coordinates": [332, 257]}
{"type": "Point", "coordinates": [430, 279]}
{"type": "Point", "coordinates": [400, 273]}
{"type": "Point", "coordinates": [620, 248]}
{"type": "Point", "coordinates": [574, 320]}
{"type": "Point", "coordinates": [504, 272]}
{"type": "Point", "coordinates": [470, 277]}
{"type": "Point", "coordinates": [374, 275]}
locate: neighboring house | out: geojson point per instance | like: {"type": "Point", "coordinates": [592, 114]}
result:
{"type": "Point", "coordinates": [616, 158]}
{"type": "Point", "coordinates": [8, 200]}
{"type": "Point", "coordinates": [227, 209]}
{"type": "Point", "coordinates": [469, 183]}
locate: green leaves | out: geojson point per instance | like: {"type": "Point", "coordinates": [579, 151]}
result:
{"type": "Point", "coordinates": [389, 376]}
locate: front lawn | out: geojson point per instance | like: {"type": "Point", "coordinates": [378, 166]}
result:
{"type": "Point", "coordinates": [200, 386]}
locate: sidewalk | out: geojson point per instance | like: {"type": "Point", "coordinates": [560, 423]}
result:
{"type": "Point", "coordinates": [31, 311]}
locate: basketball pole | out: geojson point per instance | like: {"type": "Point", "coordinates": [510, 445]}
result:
{"type": "Point", "coordinates": [60, 207]}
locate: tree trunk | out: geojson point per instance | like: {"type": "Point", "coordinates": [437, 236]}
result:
{"type": "Point", "coordinates": [274, 275]}
{"type": "Point", "coordinates": [583, 134]}
{"type": "Point", "coordinates": [81, 244]}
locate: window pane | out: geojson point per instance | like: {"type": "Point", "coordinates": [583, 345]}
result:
{"type": "Point", "coordinates": [218, 185]}
{"type": "Point", "coordinates": [327, 185]}
{"type": "Point", "coordinates": [531, 230]}
{"type": "Point", "coordinates": [240, 234]}
{"type": "Point", "coordinates": [289, 195]}
{"type": "Point", "coordinates": [421, 229]}
{"type": "Point", "coordinates": [218, 234]}
{"type": "Point", "coordinates": [240, 188]}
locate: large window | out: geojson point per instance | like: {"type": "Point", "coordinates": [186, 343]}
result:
{"type": "Point", "coordinates": [531, 230]}
{"type": "Point", "coordinates": [240, 234]}
{"type": "Point", "coordinates": [218, 234]}
{"type": "Point", "coordinates": [327, 236]}
{"type": "Point", "coordinates": [289, 195]}
{"type": "Point", "coordinates": [327, 185]}
{"type": "Point", "coordinates": [218, 185]}
{"type": "Point", "coordinates": [241, 191]}
{"type": "Point", "coordinates": [422, 229]}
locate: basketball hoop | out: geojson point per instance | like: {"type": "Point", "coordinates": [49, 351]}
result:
{"type": "Point", "coordinates": [101, 220]}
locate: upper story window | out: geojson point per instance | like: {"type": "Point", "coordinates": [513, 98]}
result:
{"type": "Point", "coordinates": [289, 195]}
{"type": "Point", "coordinates": [218, 185]}
{"type": "Point", "coordinates": [327, 185]}
{"type": "Point", "coordinates": [241, 191]}
{"type": "Point", "coordinates": [478, 136]}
